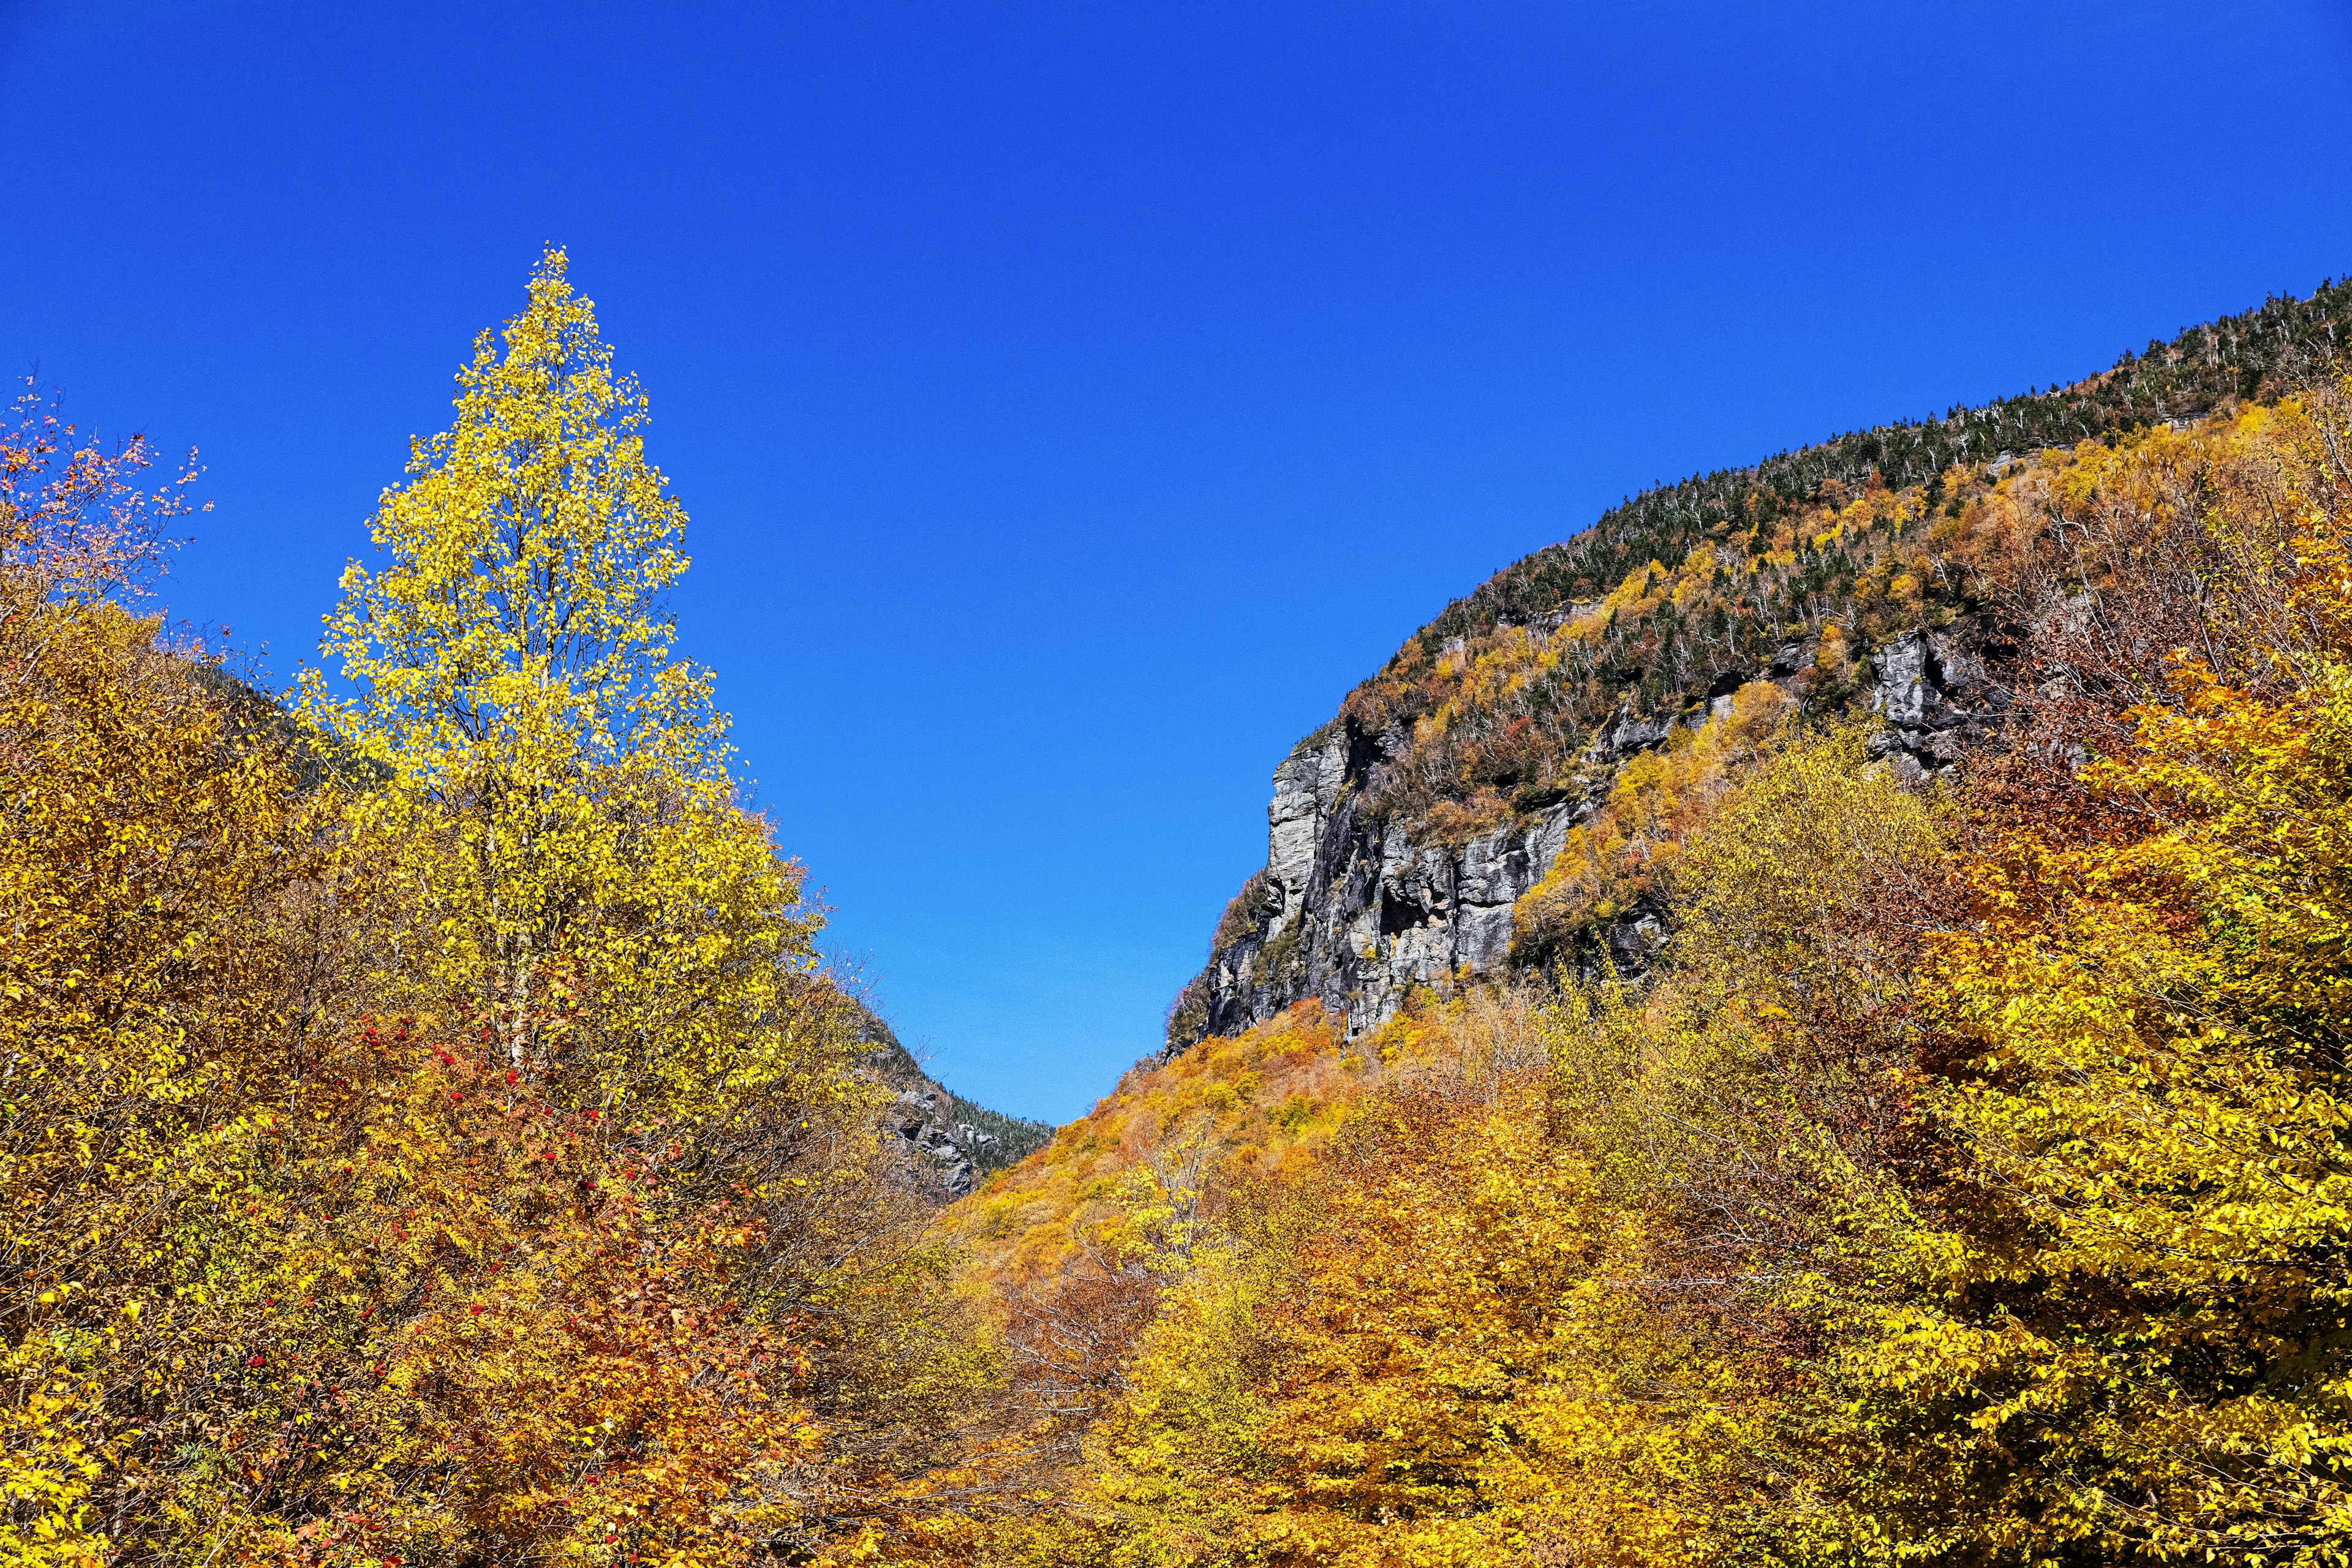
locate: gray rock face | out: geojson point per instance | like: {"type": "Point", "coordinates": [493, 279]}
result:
{"type": "Point", "coordinates": [929, 1143]}
{"type": "Point", "coordinates": [1934, 692]}
{"type": "Point", "coordinates": [935, 1143]}
{"type": "Point", "coordinates": [1356, 912]}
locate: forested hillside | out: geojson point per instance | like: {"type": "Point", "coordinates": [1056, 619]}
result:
{"type": "Point", "coordinates": [1467, 807]}
{"type": "Point", "coordinates": [1961, 1179]}
{"type": "Point", "coordinates": [1806, 1027]}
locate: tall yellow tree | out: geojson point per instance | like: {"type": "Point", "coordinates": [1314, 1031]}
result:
{"type": "Point", "coordinates": [561, 801]}
{"type": "Point", "coordinates": [558, 813]}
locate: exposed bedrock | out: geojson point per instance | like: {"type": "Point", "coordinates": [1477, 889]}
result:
{"type": "Point", "coordinates": [1357, 911]}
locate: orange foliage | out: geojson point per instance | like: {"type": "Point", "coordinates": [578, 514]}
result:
{"type": "Point", "coordinates": [482, 1336]}
{"type": "Point", "coordinates": [1250, 1098]}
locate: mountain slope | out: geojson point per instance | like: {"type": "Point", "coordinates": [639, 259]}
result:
{"type": "Point", "coordinates": [1962, 1180]}
{"type": "Point", "coordinates": [944, 1142]}
{"type": "Point", "coordinates": [1475, 805]}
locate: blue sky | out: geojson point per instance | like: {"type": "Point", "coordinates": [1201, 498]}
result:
{"type": "Point", "coordinates": [1073, 400]}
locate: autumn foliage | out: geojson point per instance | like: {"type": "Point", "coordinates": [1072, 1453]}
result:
{"type": "Point", "coordinates": [1966, 1185]}
{"type": "Point", "coordinates": [427, 1136]}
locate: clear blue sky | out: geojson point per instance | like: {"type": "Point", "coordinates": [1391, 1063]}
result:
{"type": "Point", "coordinates": [1073, 400]}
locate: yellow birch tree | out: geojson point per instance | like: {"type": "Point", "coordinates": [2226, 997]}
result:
{"type": "Point", "coordinates": [560, 804]}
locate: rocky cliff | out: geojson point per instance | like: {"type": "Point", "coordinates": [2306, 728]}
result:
{"type": "Point", "coordinates": [1356, 911]}
{"type": "Point", "coordinates": [942, 1143]}
{"type": "Point", "coordinates": [1489, 780]}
